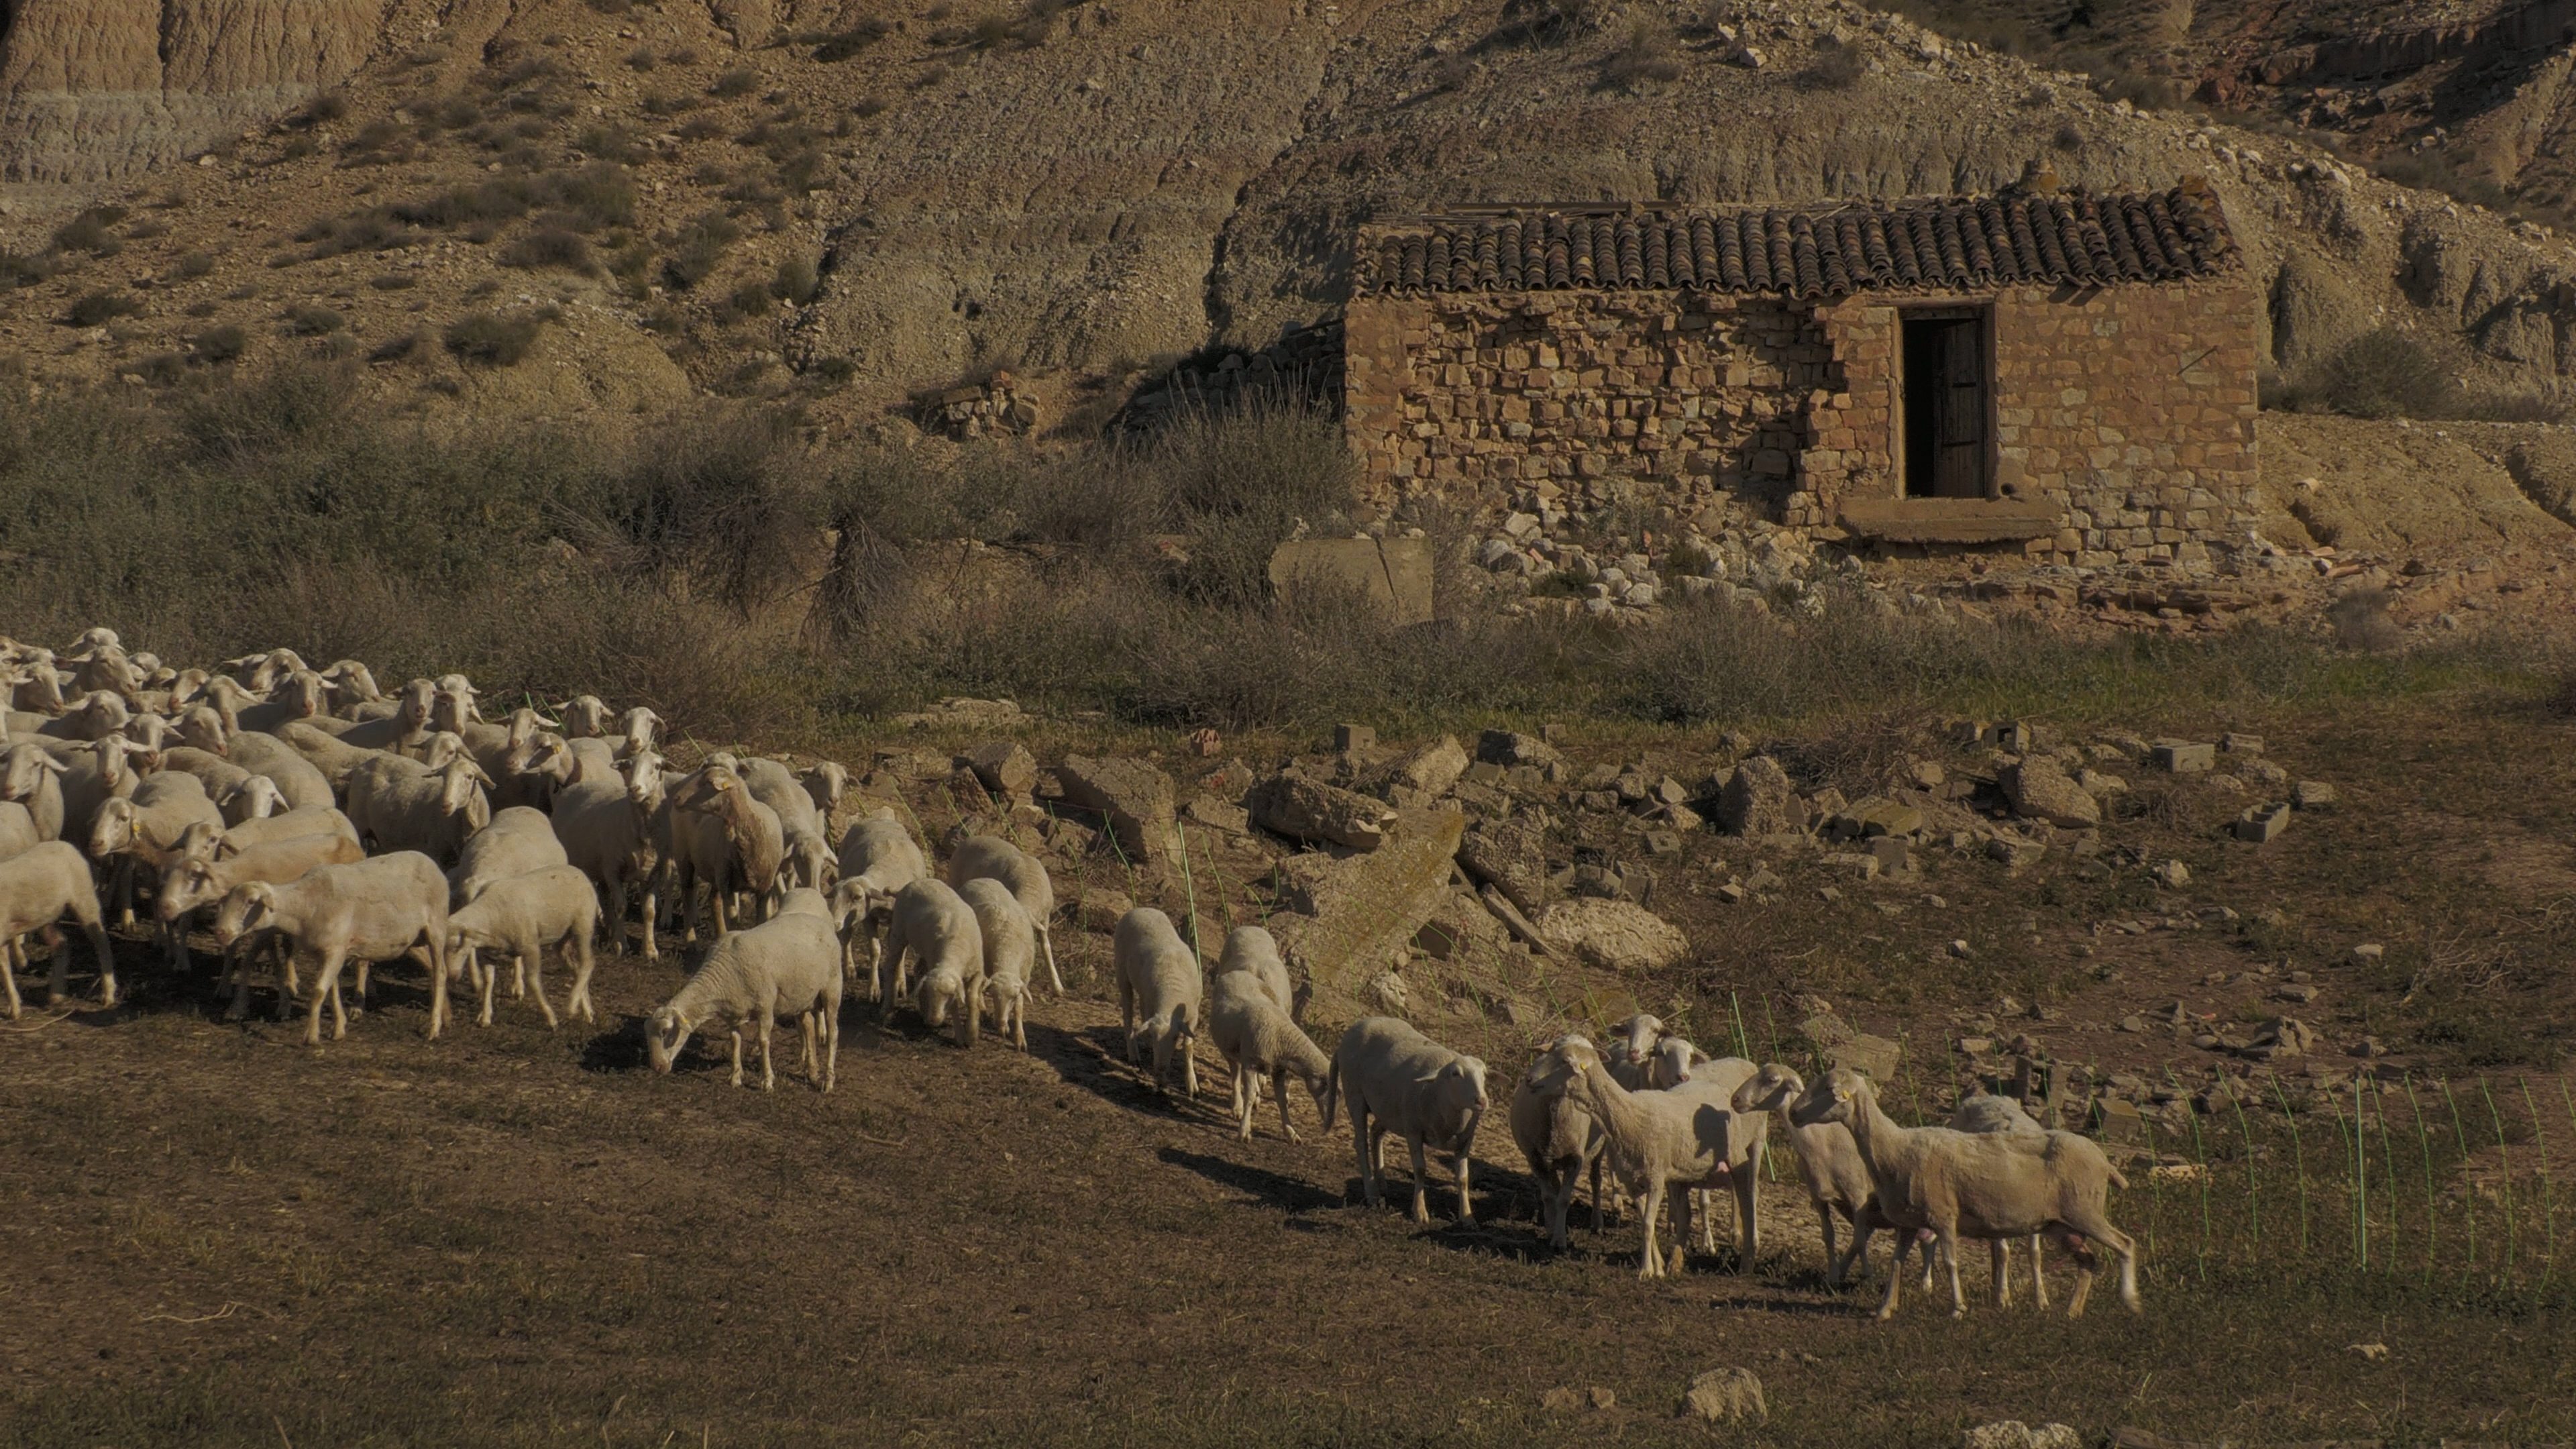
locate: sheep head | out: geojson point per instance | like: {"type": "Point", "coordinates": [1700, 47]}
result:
{"type": "Point", "coordinates": [451, 706]}
{"type": "Point", "coordinates": [585, 716]}
{"type": "Point", "coordinates": [256, 798]}
{"type": "Point", "coordinates": [1839, 1095]}
{"type": "Point", "coordinates": [23, 770]}
{"type": "Point", "coordinates": [113, 832]}
{"type": "Point", "coordinates": [1672, 1062]}
{"type": "Point", "coordinates": [150, 735]}
{"type": "Point", "coordinates": [827, 783]}
{"type": "Point", "coordinates": [202, 840]}
{"type": "Point", "coordinates": [1565, 1061]}
{"type": "Point", "coordinates": [810, 864]}
{"type": "Point", "coordinates": [1771, 1089]}
{"type": "Point", "coordinates": [1462, 1084]}
{"type": "Point", "coordinates": [442, 749]}
{"type": "Point", "coordinates": [252, 906]}
{"type": "Point", "coordinates": [665, 1033]}
{"type": "Point", "coordinates": [353, 680]}
{"type": "Point", "coordinates": [305, 694]}
{"type": "Point", "coordinates": [1636, 1037]}
{"type": "Point", "coordinates": [419, 699]}
{"type": "Point", "coordinates": [112, 751]}
{"type": "Point", "coordinates": [227, 696]}
{"type": "Point", "coordinates": [203, 727]}
{"type": "Point", "coordinates": [639, 725]}
{"type": "Point", "coordinates": [92, 641]}
{"type": "Point", "coordinates": [184, 888]}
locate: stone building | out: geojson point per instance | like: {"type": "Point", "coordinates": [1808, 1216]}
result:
{"type": "Point", "coordinates": [2064, 374]}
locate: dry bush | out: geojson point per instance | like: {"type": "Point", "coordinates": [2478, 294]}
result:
{"type": "Point", "coordinates": [94, 309]}
{"type": "Point", "coordinates": [1645, 58]}
{"type": "Point", "coordinates": [550, 246]}
{"type": "Point", "coordinates": [491, 339]}
{"type": "Point", "coordinates": [2360, 621]}
{"type": "Point", "coordinates": [1835, 67]}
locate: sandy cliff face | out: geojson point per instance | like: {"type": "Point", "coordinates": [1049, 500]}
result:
{"type": "Point", "coordinates": [95, 90]}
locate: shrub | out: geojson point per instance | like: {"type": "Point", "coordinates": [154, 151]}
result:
{"type": "Point", "coordinates": [328, 106]}
{"type": "Point", "coordinates": [751, 299]}
{"type": "Point", "coordinates": [396, 348]}
{"type": "Point", "coordinates": [490, 339]}
{"type": "Point", "coordinates": [734, 83]}
{"type": "Point", "coordinates": [796, 280]}
{"type": "Point", "coordinates": [162, 368]}
{"type": "Point", "coordinates": [2380, 374]}
{"type": "Point", "coordinates": [1835, 67]}
{"type": "Point", "coordinates": [868, 108]}
{"type": "Point", "coordinates": [394, 282]}
{"type": "Point", "coordinates": [598, 195]}
{"type": "Point", "coordinates": [196, 264]}
{"type": "Point", "coordinates": [609, 143]}
{"type": "Point", "coordinates": [308, 320]}
{"type": "Point", "coordinates": [89, 232]}
{"type": "Point", "coordinates": [640, 59]}
{"type": "Point", "coordinates": [550, 247]}
{"type": "Point", "coordinates": [264, 414]}
{"type": "Point", "coordinates": [95, 309]}
{"type": "Point", "coordinates": [220, 344]}
{"type": "Point", "coordinates": [1644, 58]}
{"type": "Point", "coordinates": [17, 270]}
{"type": "Point", "coordinates": [847, 43]}
{"type": "Point", "coordinates": [698, 248]}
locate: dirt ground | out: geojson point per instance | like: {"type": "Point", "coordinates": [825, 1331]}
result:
{"type": "Point", "coordinates": [214, 1235]}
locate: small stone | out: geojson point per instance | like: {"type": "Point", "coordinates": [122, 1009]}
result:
{"type": "Point", "coordinates": [1102, 910]}
{"type": "Point", "coordinates": [2133, 1023]}
{"type": "Point", "coordinates": [2014, 1434]}
{"type": "Point", "coordinates": [1351, 738]}
{"type": "Point", "coordinates": [2236, 742]}
{"type": "Point", "coordinates": [1601, 1398]}
{"type": "Point", "coordinates": [1663, 842]}
{"type": "Point", "coordinates": [2039, 789]}
{"type": "Point", "coordinates": [2174, 874]}
{"type": "Point", "coordinates": [2368, 954]}
{"type": "Point", "coordinates": [2369, 1046]}
{"type": "Point", "coordinates": [1962, 950]}
{"type": "Point", "coordinates": [1976, 1046]}
{"type": "Point", "coordinates": [2312, 795]}
{"type": "Point", "coordinates": [1560, 1401]}
{"type": "Point", "coordinates": [1828, 894]}
{"type": "Point", "coordinates": [2300, 994]}
{"type": "Point", "coordinates": [2263, 824]}
{"type": "Point", "coordinates": [1726, 1396]}
{"type": "Point", "coordinates": [1731, 893]}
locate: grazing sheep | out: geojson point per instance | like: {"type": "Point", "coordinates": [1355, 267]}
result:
{"type": "Point", "coordinates": [1010, 953]}
{"type": "Point", "coordinates": [1559, 1141]}
{"type": "Point", "coordinates": [789, 964]}
{"type": "Point", "coordinates": [367, 912]}
{"type": "Point", "coordinates": [1254, 949]}
{"type": "Point", "coordinates": [1978, 1185]}
{"type": "Point", "coordinates": [202, 841]}
{"type": "Point", "coordinates": [994, 858]}
{"type": "Point", "coordinates": [1258, 1040]}
{"type": "Point", "coordinates": [255, 798]}
{"type": "Point", "coordinates": [519, 840]}
{"type": "Point", "coordinates": [1690, 1136]}
{"type": "Point", "coordinates": [1829, 1164]}
{"type": "Point", "coordinates": [523, 916]}
{"type": "Point", "coordinates": [1391, 1078]}
{"type": "Point", "coordinates": [400, 804]}
{"type": "Point", "coordinates": [724, 837]}
{"type": "Point", "coordinates": [606, 823]}
{"type": "Point", "coordinates": [304, 786]}
{"type": "Point", "coordinates": [1158, 979]}
{"type": "Point", "coordinates": [934, 923]}
{"type": "Point", "coordinates": [1985, 1112]}
{"type": "Point", "coordinates": [806, 857]}
{"type": "Point", "coordinates": [198, 881]}
{"type": "Point", "coordinates": [38, 887]}
{"type": "Point", "coordinates": [31, 776]}
{"type": "Point", "coordinates": [878, 858]}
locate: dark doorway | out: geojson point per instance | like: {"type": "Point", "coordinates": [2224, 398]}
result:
{"type": "Point", "coordinates": [1945, 405]}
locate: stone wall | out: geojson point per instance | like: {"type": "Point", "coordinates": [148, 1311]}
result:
{"type": "Point", "coordinates": [2129, 409]}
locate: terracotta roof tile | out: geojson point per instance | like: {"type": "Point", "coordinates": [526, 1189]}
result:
{"type": "Point", "coordinates": [1936, 243]}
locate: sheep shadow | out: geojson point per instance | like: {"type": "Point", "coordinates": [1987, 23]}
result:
{"type": "Point", "coordinates": [618, 1048]}
{"type": "Point", "coordinates": [1095, 1060]}
{"type": "Point", "coordinates": [1275, 1189]}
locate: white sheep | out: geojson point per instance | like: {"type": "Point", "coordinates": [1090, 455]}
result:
{"type": "Point", "coordinates": [934, 923]}
{"type": "Point", "coordinates": [722, 836]}
{"type": "Point", "coordinates": [91, 777]}
{"type": "Point", "coordinates": [1254, 949]}
{"type": "Point", "coordinates": [806, 857]}
{"type": "Point", "coordinates": [1258, 1039]}
{"type": "Point", "coordinates": [1829, 1165]}
{"type": "Point", "coordinates": [38, 887]}
{"type": "Point", "coordinates": [1689, 1136]}
{"type": "Point", "coordinates": [17, 830]}
{"type": "Point", "coordinates": [1985, 1112]}
{"type": "Point", "coordinates": [304, 786]}
{"type": "Point", "coordinates": [145, 828]}
{"type": "Point", "coordinates": [255, 798]}
{"type": "Point", "coordinates": [400, 804]}
{"type": "Point", "coordinates": [789, 964]}
{"type": "Point", "coordinates": [1158, 979]}
{"type": "Point", "coordinates": [519, 840]}
{"type": "Point", "coordinates": [203, 841]}
{"type": "Point", "coordinates": [1391, 1078]}
{"type": "Point", "coordinates": [300, 695]}
{"type": "Point", "coordinates": [1010, 954]}
{"type": "Point", "coordinates": [198, 881]}
{"type": "Point", "coordinates": [1977, 1185]}
{"type": "Point", "coordinates": [878, 858]}
{"type": "Point", "coordinates": [606, 823]}
{"type": "Point", "coordinates": [522, 917]}
{"type": "Point", "coordinates": [994, 858]}
{"type": "Point", "coordinates": [825, 784]}
{"type": "Point", "coordinates": [637, 730]}
{"type": "Point", "coordinates": [585, 717]}
{"type": "Point", "coordinates": [352, 683]}
{"type": "Point", "coordinates": [1559, 1140]}
{"type": "Point", "coordinates": [31, 776]}
{"type": "Point", "coordinates": [366, 912]}
{"type": "Point", "coordinates": [402, 731]}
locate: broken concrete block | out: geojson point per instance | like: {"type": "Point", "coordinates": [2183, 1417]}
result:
{"type": "Point", "coordinates": [2263, 823]}
{"type": "Point", "coordinates": [2040, 789]}
{"type": "Point", "coordinates": [1136, 800]}
{"type": "Point", "coordinates": [1343, 919]}
{"type": "Point", "coordinates": [1613, 935]}
{"type": "Point", "coordinates": [2184, 757]}
{"type": "Point", "coordinates": [2312, 795]}
{"type": "Point", "coordinates": [1004, 766]}
{"type": "Point", "coordinates": [1758, 800]}
{"type": "Point", "coordinates": [1392, 573]}
{"type": "Point", "coordinates": [1292, 804]}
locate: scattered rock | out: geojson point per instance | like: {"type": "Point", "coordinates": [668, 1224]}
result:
{"type": "Point", "coordinates": [1101, 910]}
{"type": "Point", "coordinates": [2039, 789]}
{"type": "Point", "coordinates": [1758, 800]}
{"type": "Point", "coordinates": [1292, 804]}
{"type": "Point", "coordinates": [1510, 749]}
{"type": "Point", "coordinates": [1388, 992]}
{"type": "Point", "coordinates": [2312, 795]}
{"type": "Point", "coordinates": [960, 712]}
{"type": "Point", "coordinates": [2014, 1434]}
{"type": "Point", "coordinates": [2368, 953]}
{"type": "Point", "coordinates": [1874, 1056]}
{"type": "Point", "coordinates": [1601, 1398]}
{"type": "Point", "coordinates": [1343, 916]}
{"type": "Point", "coordinates": [2174, 873]}
{"type": "Point", "coordinates": [1430, 771]}
{"type": "Point", "coordinates": [1393, 573]}
{"type": "Point", "coordinates": [1135, 798]}
{"type": "Point", "coordinates": [1726, 1396]}
{"type": "Point", "coordinates": [1560, 1401]}
{"type": "Point", "coordinates": [1510, 856]}
{"type": "Point", "coordinates": [2237, 743]}
{"type": "Point", "coordinates": [1613, 935]}
{"type": "Point", "coordinates": [1350, 739]}
{"type": "Point", "coordinates": [2372, 1352]}
{"type": "Point", "coordinates": [1004, 766]}
{"type": "Point", "coordinates": [2298, 993]}
{"type": "Point", "coordinates": [2263, 823]}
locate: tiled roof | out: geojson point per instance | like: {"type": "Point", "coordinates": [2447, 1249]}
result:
{"type": "Point", "coordinates": [1939, 243]}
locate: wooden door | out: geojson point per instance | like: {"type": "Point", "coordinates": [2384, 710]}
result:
{"type": "Point", "coordinates": [1959, 465]}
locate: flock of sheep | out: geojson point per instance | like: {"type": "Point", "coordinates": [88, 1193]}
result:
{"type": "Point", "coordinates": [317, 824]}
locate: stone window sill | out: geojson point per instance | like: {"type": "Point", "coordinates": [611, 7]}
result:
{"type": "Point", "coordinates": [1949, 520]}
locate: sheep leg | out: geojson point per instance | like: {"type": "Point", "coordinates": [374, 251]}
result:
{"type": "Point", "coordinates": [1363, 1146]}
{"type": "Point", "coordinates": [970, 1023]}
{"type": "Point", "coordinates": [1596, 1195]}
{"type": "Point", "coordinates": [577, 950]}
{"type": "Point", "coordinates": [9, 977]}
{"type": "Point", "coordinates": [1127, 1014]}
{"type": "Point", "coordinates": [1421, 1201]}
{"type": "Point", "coordinates": [1684, 1205]}
{"type": "Point", "coordinates": [805, 1046]}
{"type": "Point", "coordinates": [58, 967]}
{"type": "Point", "coordinates": [1242, 1112]}
{"type": "Point", "coordinates": [437, 963]}
{"type": "Point", "coordinates": [1949, 1247]}
{"type": "Point", "coordinates": [532, 959]}
{"type": "Point", "coordinates": [1748, 1216]}
{"type": "Point", "coordinates": [2091, 1222]}
{"type": "Point", "coordinates": [1046, 939]}
{"type": "Point", "coordinates": [1825, 1225]}
{"type": "Point", "coordinates": [481, 980]}
{"type": "Point", "coordinates": [724, 917]}
{"type": "Point", "coordinates": [831, 1028]}
{"type": "Point", "coordinates": [1999, 1256]}
{"type": "Point", "coordinates": [122, 884]}
{"type": "Point", "coordinates": [1279, 1089]}
{"type": "Point", "coordinates": [1464, 1166]}
{"type": "Point", "coordinates": [2038, 1275]}
{"type": "Point", "coordinates": [737, 1054]}
{"type": "Point", "coordinates": [97, 933]}
{"type": "Point", "coordinates": [1651, 1265]}
{"type": "Point", "coordinates": [768, 1008]}
{"type": "Point", "coordinates": [326, 986]}
{"type": "Point", "coordinates": [1020, 1019]}
{"type": "Point", "coordinates": [1190, 1069]}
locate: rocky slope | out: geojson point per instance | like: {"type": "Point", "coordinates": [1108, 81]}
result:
{"type": "Point", "coordinates": [858, 205]}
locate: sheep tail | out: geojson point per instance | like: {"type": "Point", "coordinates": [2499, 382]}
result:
{"type": "Point", "coordinates": [2117, 1180]}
